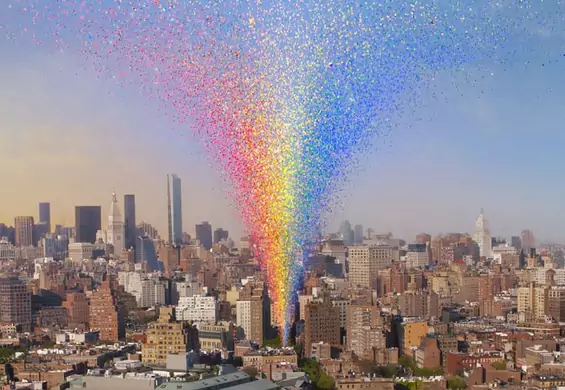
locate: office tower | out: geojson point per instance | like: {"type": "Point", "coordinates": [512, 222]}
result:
{"type": "Point", "coordinates": [358, 234]}
{"type": "Point", "coordinates": [145, 254]}
{"type": "Point", "coordinates": [174, 199]}
{"type": "Point", "coordinates": [88, 220]}
{"type": "Point", "coordinates": [106, 315]}
{"type": "Point", "coordinates": [24, 231]}
{"type": "Point", "coordinates": [322, 325]}
{"type": "Point", "coordinates": [365, 261]}
{"type": "Point", "coordinates": [516, 242]}
{"type": "Point", "coordinates": [204, 234]}
{"type": "Point", "coordinates": [346, 233]}
{"type": "Point", "coordinates": [129, 220]}
{"type": "Point", "coordinates": [15, 301]}
{"type": "Point", "coordinates": [220, 235]}
{"type": "Point", "coordinates": [482, 236]}
{"type": "Point", "coordinates": [528, 241]}
{"type": "Point", "coordinates": [115, 232]}
{"type": "Point", "coordinates": [45, 215]}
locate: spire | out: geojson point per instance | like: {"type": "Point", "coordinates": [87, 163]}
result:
{"type": "Point", "coordinates": [115, 212]}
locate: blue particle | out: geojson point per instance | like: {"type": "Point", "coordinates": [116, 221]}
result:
{"type": "Point", "coordinates": [90, 37]}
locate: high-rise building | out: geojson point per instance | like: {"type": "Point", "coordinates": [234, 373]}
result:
{"type": "Point", "coordinates": [129, 220]}
{"type": "Point", "coordinates": [253, 311]}
{"type": "Point", "coordinates": [220, 235]}
{"type": "Point", "coordinates": [358, 234]}
{"type": "Point", "coordinates": [174, 198]}
{"type": "Point", "coordinates": [204, 234]}
{"type": "Point", "coordinates": [77, 310]}
{"type": "Point", "coordinates": [346, 233]}
{"type": "Point", "coordinates": [146, 254]}
{"type": "Point", "coordinates": [45, 215]}
{"type": "Point", "coordinates": [482, 236]}
{"type": "Point", "coordinates": [180, 338]}
{"type": "Point", "coordinates": [106, 314]}
{"type": "Point", "coordinates": [115, 232]}
{"type": "Point", "coordinates": [528, 241]}
{"type": "Point", "coordinates": [15, 301]}
{"type": "Point", "coordinates": [24, 231]}
{"type": "Point", "coordinates": [322, 325]}
{"type": "Point", "coordinates": [533, 301]}
{"type": "Point", "coordinates": [516, 242]}
{"type": "Point", "coordinates": [88, 220]}
{"type": "Point", "coordinates": [365, 261]}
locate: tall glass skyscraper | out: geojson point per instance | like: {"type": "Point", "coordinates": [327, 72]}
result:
{"type": "Point", "coordinates": [174, 199]}
{"type": "Point", "coordinates": [129, 220]}
{"type": "Point", "coordinates": [45, 215]}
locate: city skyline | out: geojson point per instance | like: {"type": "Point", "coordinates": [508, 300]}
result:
{"type": "Point", "coordinates": [477, 226]}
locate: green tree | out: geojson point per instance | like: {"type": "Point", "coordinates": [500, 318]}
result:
{"type": "Point", "coordinates": [273, 343]}
{"type": "Point", "coordinates": [456, 383]}
{"type": "Point", "coordinates": [325, 382]}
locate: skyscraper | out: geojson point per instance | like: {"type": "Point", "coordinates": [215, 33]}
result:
{"type": "Point", "coordinates": [88, 220]}
{"type": "Point", "coordinates": [24, 231]}
{"type": "Point", "coordinates": [129, 220]}
{"type": "Point", "coordinates": [528, 241]}
{"type": "Point", "coordinates": [220, 234]}
{"type": "Point", "coordinates": [204, 234]}
{"type": "Point", "coordinates": [145, 253]}
{"type": "Point", "coordinates": [346, 233]}
{"type": "Point", "coordinates": [358, 234]}
{"type": "Point", "coordinates": [45, 215]}
{"type": "Point", "coordinates": [115, 232]}
{"type": "Point", "coordinates": [482, 236]}
{"type": "Point", "coordinates": [15, 301]}
{"type": "Point", "coordinates": [174, 198]}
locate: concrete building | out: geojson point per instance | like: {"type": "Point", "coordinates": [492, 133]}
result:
{"type": "Point", "coordinates": [533, 301]}
{"type": "Point", "coordinates": [78, 310]}
{"type": "Point", "coordinates": [24, 231]}
{"type": "Point", "coordinates": [15, 301]}
{"type": "Point", "coordinates": [322, 325]}
{"type": "Point", "coordinates": [482, 236]}
{"type": "Point", "coordinates": [106, 314]}
{"type": "Point", "coordinates": [197, 309]}
{"type": "Point", "coordinates": [166, 336]}
{"type": "Point", "coordinates": [79, 251]}
{"type": "Point", "coordinates": [116, 230]}
{"type": "Point", "coordinates": [365, 261]}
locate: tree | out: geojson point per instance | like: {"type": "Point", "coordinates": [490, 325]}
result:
{"type": "Point", "coordinates": [251, 371]}
{"type": "Point", "coordinates": [456, 383]}
{"type": "Point", "coordinates": [273, 343]}
{"type": "Point", "coordinates": [325, 382]}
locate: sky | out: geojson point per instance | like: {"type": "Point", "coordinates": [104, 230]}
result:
{"type": "Point", "coordinates": [489, 136]}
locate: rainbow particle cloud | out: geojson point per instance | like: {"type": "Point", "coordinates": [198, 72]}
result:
{"type": "Point", "coordinates": [285, 94]}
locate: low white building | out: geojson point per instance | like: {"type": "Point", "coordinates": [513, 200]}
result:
{"type": "Point", "coordinates": [197, 309]}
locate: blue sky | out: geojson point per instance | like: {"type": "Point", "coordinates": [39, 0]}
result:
{"type": "Point", "coordinates": [487, 136]}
